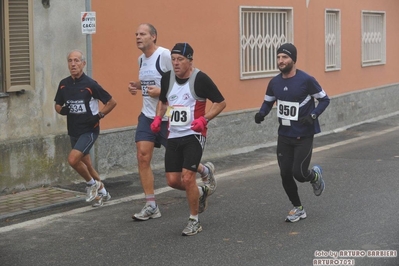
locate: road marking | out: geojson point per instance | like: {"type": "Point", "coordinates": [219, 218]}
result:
{"type": "Point", "coordinates": [43, 220]}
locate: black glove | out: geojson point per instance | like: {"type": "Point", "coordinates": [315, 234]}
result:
{"type": "Point", "coordinates": [259, 118]}
{"type": "Point", "coordinates": [306, 120]}
{"type": "Point", "coordinates": [93, 120]}
{"type": "Point", "coordinates": [64, 110]}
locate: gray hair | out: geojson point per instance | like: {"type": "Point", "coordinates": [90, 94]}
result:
{"type": "Point", "coordinates": [153, 31]}
{"type": "Point", "coordinates": [82, 56]}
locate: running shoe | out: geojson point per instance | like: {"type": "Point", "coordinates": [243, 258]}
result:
{"type": "Point", "coordinates": [193, 227]}
{"type": "Point", "coordinates": [148, 212]}
{"type": "Point", "coordinates": [318, 185]}
{"type": "Point", "coordinates": [203, 200]}
{"type": "Point", "coordinates": [295, 215]}
{"type": "Point", "coordinates": [92, 191]}
{"type": "Point", "coordinates": [211, 182]}
{"type": "Point", "coordinates": [101, 198]}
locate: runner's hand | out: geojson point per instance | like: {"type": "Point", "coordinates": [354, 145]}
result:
{"type": "Point", "coordinates": [133, 87]}
{"type": "Point", "coordinates": [93, 120]}
{"type": "Point", "coordinates": [199, 124]}
{"type": "Point", "coordinates": [153, 91]}
{"type": "Point", "coordinates": [259, 118]}
{"type": "Point", "coordinates": [306, 120]}
{"type": "Point", "coordinates": [156, 124]}
{"type": "Point", "coordinates": [64, 110]}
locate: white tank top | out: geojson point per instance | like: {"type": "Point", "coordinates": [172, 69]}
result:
{"type": "Point", "coordinates": [183, 104]}
{"type": "Point", "coordinates": [150, 73]}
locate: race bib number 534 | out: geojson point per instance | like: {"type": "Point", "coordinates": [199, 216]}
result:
{"type": "Point", "coordinates": [77, 107]}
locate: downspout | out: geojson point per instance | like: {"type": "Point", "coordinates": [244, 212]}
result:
{"type": "Point", "coordinates": [88, 43]}
{"type": "Point", "coordinates": [89, 71]}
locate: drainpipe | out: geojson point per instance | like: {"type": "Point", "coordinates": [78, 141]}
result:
{"type": "Point", "coordinates": [88, 43]}
{"type": "Point", "coordinates": [89, 72]}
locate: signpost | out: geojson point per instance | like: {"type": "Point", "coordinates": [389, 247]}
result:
{"type": "Point", "coordinates": [88, 22]}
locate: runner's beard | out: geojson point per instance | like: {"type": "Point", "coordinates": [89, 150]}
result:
{"type": "Point", "coordinates": [287, 68]}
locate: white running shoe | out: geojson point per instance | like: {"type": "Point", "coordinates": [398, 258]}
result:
{"type": "Point", "coordinates": [193, 227]}
{"type": "Point", "coordinates": [295, 215]}
{"type": "Point", "coordinates": [203, 200]}
{"type": "Point", "coordinates": [148, 212]}
{"type": "Point", "coordinates": [101, 198]}
{"type": "Point", "coordinates": [92, 191]}
{"type": "Point", "coordinates": [211, 178]}
{"type": "Point", "coordinates": [319, 185]}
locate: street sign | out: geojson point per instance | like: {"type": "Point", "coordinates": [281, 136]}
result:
{"type": "Point", "coordinates": [88, 22]}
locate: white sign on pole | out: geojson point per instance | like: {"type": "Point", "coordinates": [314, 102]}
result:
{"type": "Point", "coordinates": [88, 22]}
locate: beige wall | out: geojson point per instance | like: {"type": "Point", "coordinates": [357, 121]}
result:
{"type": "Point", "coordinates": [212, 28]}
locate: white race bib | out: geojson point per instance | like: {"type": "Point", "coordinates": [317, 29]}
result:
{"type": "Point", "coordinates": [144, 86]}
{"type": "Point", "coordinates": [287, 110]}
{"type": "Point", "coordinates": [179, 115]}
{"type": "Point", "coordinates": [77, 108]}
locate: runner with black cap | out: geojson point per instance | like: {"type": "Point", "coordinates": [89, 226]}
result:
{"type": "Point", "coordinates": [184, 92]}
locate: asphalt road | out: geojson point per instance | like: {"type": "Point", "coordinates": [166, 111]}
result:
{"type": "Point", "coordinates": [244, 224]}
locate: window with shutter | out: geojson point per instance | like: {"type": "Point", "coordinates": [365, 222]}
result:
{"type": "Point", "coordinates": [18, 45]}
{"type": "Point", "coordinates": [1, 50]}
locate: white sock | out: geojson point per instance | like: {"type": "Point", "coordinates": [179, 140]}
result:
{"type": "Point", "coordinates": [205, 172]}
{"type": "Point", "coordinates": [91, 182]}
{"type": "Point", "coordinates": [194, 217]}
{"type": "Point", "coordinates": [150, 200]}
{"type": "Point", "coordinates": [102, 191]}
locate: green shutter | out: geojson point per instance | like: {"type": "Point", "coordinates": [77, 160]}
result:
{"type": "Point", "coordinates": [18, 45]}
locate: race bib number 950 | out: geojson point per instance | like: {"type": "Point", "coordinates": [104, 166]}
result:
{"type": "Point", "coordinates": [287, 110]}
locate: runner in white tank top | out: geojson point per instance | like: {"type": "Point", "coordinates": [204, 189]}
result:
{"type": "Point", "coordinates": [153, 63]}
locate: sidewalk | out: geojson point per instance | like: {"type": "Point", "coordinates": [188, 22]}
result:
{"type": "Point", "coordinates": [36, 200]}
{"type": "Point", "coordinates": [48, 198]}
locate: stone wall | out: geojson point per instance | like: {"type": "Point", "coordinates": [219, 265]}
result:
{"type": "Point", "coordinates": [43, 161]}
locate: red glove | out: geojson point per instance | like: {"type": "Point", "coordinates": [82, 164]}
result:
{"type": "Point", "coordinates": [156, 124]}
{"type": "Point", "coordinates": [199, 124]}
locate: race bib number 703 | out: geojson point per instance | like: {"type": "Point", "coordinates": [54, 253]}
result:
{"type": "Point", "coordinates": [179, 115]}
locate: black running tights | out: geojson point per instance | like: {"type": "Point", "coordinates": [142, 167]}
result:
{"type": "Point", "coordinates": [294, 155]}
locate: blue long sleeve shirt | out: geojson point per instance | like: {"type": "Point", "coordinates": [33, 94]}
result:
{"type": "Point", "coordinates": [295, 98]}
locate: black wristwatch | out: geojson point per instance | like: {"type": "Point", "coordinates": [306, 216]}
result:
{"type": "Point", "coordinates": [313, 116]}
{"type": "Point", "coordinates": [101, 115]}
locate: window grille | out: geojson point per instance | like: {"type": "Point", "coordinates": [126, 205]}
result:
{"type": "Point", "coordinates": [333, 40]}
{"type": "Point", "coordinates": [373, 38]}
{"type": "Point", "coordinates": [262, 31]}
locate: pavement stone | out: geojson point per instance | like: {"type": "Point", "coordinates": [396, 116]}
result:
{"type": "Point", "coordinates": [35, 200]}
